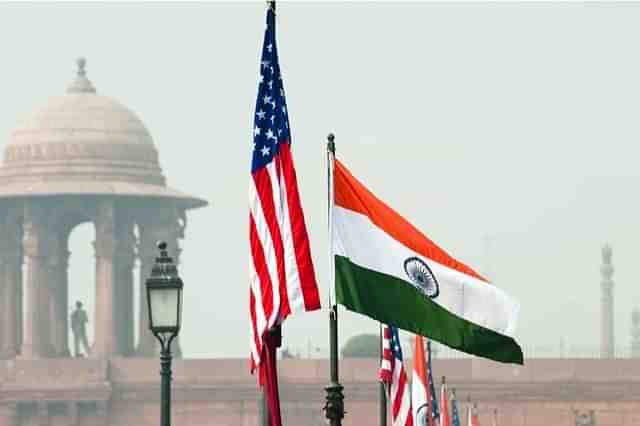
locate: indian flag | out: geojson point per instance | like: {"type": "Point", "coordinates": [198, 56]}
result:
{"type": "Point", "coordinates": [387, 269]}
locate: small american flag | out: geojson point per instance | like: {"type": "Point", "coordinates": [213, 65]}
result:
{"type": "Point", "coordinates": [455, 415]}
{"type": "Point", "coordinates": [435, 413]}
{"type": "Point", "coordinates": [282, 277]}
{"type": "Point", "coordinates": [393, 374]}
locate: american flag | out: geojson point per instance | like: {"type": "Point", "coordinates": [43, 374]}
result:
{"type": "Point", "coordinates": [282, 277]}
{"type": "Point", "coordinates": [393, 374]}
{"type": "Point", "coordinates": [455, 415]}
{"type": "Point", "coordinates": [435, 413]}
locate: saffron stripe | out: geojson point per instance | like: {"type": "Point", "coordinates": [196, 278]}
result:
{"type": "Point", "coordinates": [353, 195]}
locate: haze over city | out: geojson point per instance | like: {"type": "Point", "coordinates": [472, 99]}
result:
{"type": "Point", "coordinates": [507, 132]}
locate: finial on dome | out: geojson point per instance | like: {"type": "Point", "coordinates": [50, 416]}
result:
{"type": "Point", "coordinates": [606, 253]}
{"type": "Point", "coordinates": [82, 62]}
{"type": "Point", "coordinates": [81, 84]}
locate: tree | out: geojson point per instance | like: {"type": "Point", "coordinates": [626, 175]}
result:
{"type": "Point", "coordinates": [362, 346]}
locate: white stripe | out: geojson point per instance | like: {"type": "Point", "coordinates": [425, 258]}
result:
{"type": "Point", "coordinates": [405, 405]}
{"type": "Point", "coordinates": [395, 381]}
{"type": "Point", "coordinates": [261, 320]}
{"type": "Point", "coordinates": [418, 395]}
{"type": "Point", "coordinates": [255, 354]}
{"type": "Point", "coordinates": [267, 246]}
{"type": "Point", "coordinates": [294, 293]}
{"type": "Point", "coordinates": [357, 238]}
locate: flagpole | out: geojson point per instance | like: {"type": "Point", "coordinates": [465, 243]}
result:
{"type": "Point", "coordinates": [382, 390]}
{"type": "Point", "coordinates": [429, 395]}
{"type": "Point", "coordinates": [334, 405]}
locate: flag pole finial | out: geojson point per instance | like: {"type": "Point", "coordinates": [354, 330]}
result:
{"type": "Point", "coordinates": [331, 145]}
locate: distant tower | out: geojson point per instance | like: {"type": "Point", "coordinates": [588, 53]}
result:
{"type": "Point", "coordinates": [635, 333]}
{"type": "Point", "coordinates": [606, 326]}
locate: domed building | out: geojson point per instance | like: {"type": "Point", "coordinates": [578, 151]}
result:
{"type": "Point", "coordinates": [85, 158]}
{"type": "Point", "coordinates": [81, 157]}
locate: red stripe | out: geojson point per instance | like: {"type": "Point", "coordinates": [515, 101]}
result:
{"type": "Point", "coordinates": [265, 193]}
{"type": "Point", "coordinates": [409, 421]}
{"type": "Point", "coordinates": [254, 328]}
{"type": "Point", "coordinates": [260, 265]}
{"type": "Point", "coordinates": [307, 275]}
{"type": "Point", "coordinates": [397, 402]}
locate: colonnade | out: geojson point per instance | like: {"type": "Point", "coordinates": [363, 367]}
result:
{"type": "Point", "coordinates": [34, 261]}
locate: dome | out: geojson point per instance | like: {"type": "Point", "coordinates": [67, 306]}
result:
{"type": "Point", "coordinates": [83, 143]}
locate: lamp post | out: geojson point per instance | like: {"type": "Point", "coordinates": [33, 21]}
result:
{"type": "Point", "coordinates": [164, 296]}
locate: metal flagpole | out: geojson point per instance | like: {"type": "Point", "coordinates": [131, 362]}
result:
{"type": "Point", "coordinates": [383, 394]}
{"type": "Point", "coordinates": [334, 405]}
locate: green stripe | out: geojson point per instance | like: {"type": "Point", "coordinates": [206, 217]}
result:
{"type": "Point", "coordinates": [393, 301]}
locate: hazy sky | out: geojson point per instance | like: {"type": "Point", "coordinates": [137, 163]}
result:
{"type": "Point", "coordinates": [508, 121]}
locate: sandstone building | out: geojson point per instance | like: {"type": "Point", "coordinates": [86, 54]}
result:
{"type": "Point", "coordinates": [83, 157]}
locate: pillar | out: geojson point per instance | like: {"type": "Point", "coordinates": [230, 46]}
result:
{"type": "Point", "coordinates": [11, 302]}
{"type": "Point", "coordinates": [8, 414]}
{"type": "Point", "coordinates": [146, 254]}
{"type": "Point", "coordinates": [34, 344]}
{"type": "Point", "coordinates": [105, 344]}
{"type": "Point", "coordinates": [58, 265]}
{"type": "Point", "coordinates": [123, 297]}
{"type": "Point", "coordinates": [607, 339]}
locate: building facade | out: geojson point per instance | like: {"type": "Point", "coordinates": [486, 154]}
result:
{"type": "Point", "coordinates": [82, 157]}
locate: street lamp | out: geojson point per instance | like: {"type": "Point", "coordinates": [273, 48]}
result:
{"type": "Point", "coordinates": [164, 296]}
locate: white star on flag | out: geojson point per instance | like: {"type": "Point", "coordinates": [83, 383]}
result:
{"type": "Point", "coordinates": [271, 135]}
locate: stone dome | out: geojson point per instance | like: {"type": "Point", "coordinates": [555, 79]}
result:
{"type": "Point", "coordinates": [83, 143]}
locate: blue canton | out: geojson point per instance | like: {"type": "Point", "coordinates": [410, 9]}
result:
{"type": "Point", "coordinates": [455, 417]}
{"type": "Point", "coordinates": [396, 350]}
{"type": "Point", "coordinates": [271, 121]}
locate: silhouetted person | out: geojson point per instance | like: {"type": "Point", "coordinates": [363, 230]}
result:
{"type": "Point", "coordinates": [79, 322]}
